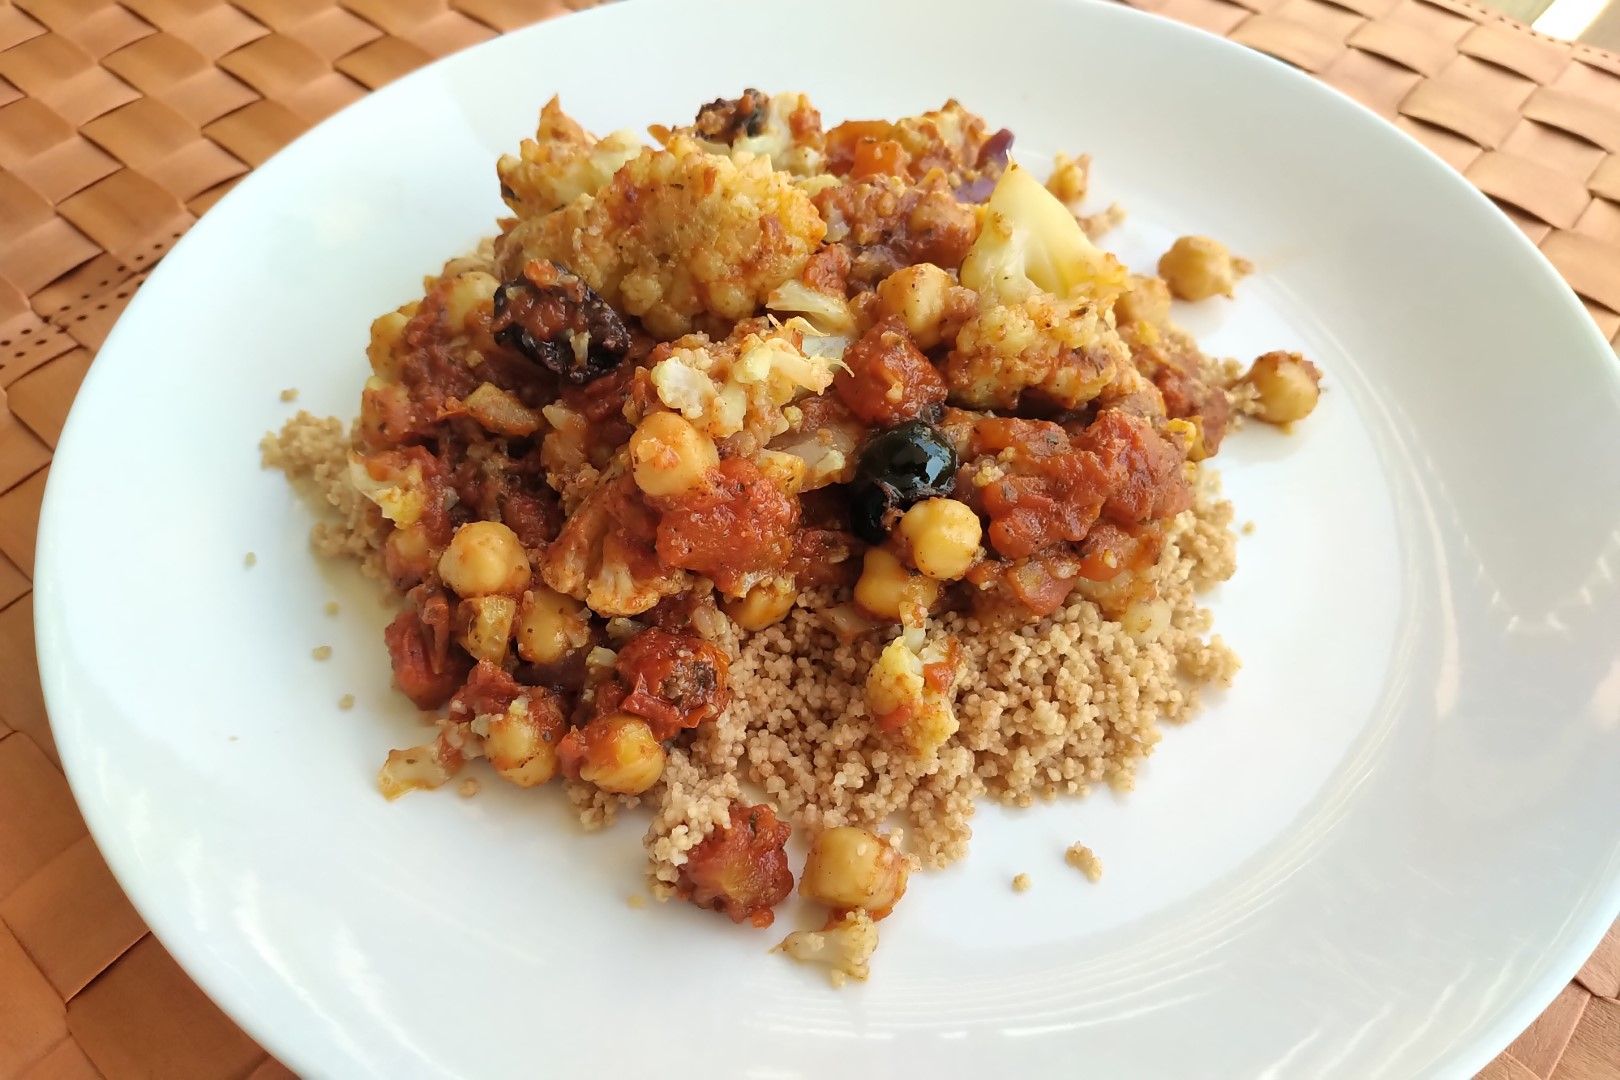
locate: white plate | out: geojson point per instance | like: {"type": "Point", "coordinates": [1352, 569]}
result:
{"type": "Point", "coordinates": [1380, 854]}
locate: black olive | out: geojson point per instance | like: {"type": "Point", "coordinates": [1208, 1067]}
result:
{"type": "Point", "coordinates": [555, 319]}
{"type": "Point", "coordinates": [899, 466]}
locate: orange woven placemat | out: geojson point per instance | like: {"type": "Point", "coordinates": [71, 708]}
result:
{"type": "Point", "coordinates": [121, 121]}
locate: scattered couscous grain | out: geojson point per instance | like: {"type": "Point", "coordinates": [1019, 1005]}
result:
{"type": "Point", "coordinates": [332, 607]}
{"type": "Point", "coordinates": [321, 652]}
{"type": "Point", "coordinates": [346, 701]}
{"type": "Point", "coordinates": [315, 450]}
{"type": "Point", "coordinates": [250, 560]}
{"type": "Point", "coordinates": [1020, 883]}
{"type": "Point", "coordinates": [636, 901]}
{"type": "Point", "coordinates": [468, 787]}
{"type": "Point", "coordinates": [1084, 860]}
{"type": "Point", "coordinates": [1248, 528]}
{"type": "Point", "coordinates": [290, 394]}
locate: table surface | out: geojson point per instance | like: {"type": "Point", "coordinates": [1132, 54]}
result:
{"type": "Point", "coordinates": [122, 121]}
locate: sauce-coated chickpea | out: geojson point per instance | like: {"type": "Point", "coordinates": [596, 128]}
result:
{"type": "Point", "coordinates": [621, 755]}
{"type": "Point", "coordinates": [850, 867]}
{"type": "Point", "coordinates": [886, 587]}
{"type": "Point", "coordinates": [669, 456]}
{"type": "Point", "coordinates": [943, 537]}
{"type": "Point", "coordinates": [485, 558]}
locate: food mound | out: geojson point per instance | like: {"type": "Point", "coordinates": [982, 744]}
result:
{"type": "Point", "coordinates": [836, 466]}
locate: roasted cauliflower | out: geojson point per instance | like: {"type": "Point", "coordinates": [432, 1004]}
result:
{"type": "Point", "coordinates": [562, 162]}
{"type": "Point", "coordinates": [679, 237]}
{"type": "Point", "coordinates": [784, 128]}
{"type": "Point", "coordinates": [1068, 351]}
{"type": "Point", "coordinates": [909, 692]}
{"type": "Point", "coordinates": [744, 382]}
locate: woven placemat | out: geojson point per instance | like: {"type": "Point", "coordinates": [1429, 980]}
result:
{"type": "Point", "coordinates": [121, 121]}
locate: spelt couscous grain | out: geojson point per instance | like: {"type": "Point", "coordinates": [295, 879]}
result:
{"type": "Point", "coordinates": [1084, 860]}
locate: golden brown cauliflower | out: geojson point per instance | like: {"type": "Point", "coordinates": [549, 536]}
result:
{"type": "Point", "coordinates": [678, 234]}
{"type": "Point", "coordinates": [562, 162]}
{"type": "Point", "coordinates": [783, 127]}
{"type": "Point", "coordinates": [1066, 351]}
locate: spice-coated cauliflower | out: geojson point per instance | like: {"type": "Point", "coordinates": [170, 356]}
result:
{"type": "Point", "coordinates": [562, 162]}
{"type": "Point", "coordinates": [909, 692]}
{"type": "Point", "coordinates": [1068, 351]}
{"type": "Point", "coordinates": [785, 128]}
{"type": "Point", "coordinates": [679, 237]}
{"type": "Point", "coordinates": [744, 382]}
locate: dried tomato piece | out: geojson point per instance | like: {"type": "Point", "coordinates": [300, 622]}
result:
{"type": "Point", "coordinates": [741, 870]}
{"type": "Point", "coordinates": [1144, 468]}
{"type": "Point", "coordinates": [741, 524]}
{"type": "Point", "coordinates": [674, 680]}
{"type": "Point", "coordinates": [426, 669]}
{"type": "Point", "coordinates": [887, 380]}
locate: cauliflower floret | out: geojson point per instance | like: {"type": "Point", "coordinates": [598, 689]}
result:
{"type": "Point", "coordinates": [1067, 350]}
{"type": "Point", "coordinates": [676, 235]}
{"type": "Point", "coordinates": [430, 765]}
{"type": "Point", "coordinates": [785, 128]}
{"type": "Point", "coordinates": [949, 139]}
{"type": "Point", "coordinates": [605, 540]}
{"type": "Point", "coordinates": [745, 381]}
{"type": "Point", "coordinates": [393, 483]}
{"type": "Point", "coordinates": [909, 689]}
{"type": "Point", "coordinates": [845, 946]}
{"type": "Point", "coordinates": [562, 162]}
{"type": "Point", "coordinates": [829, 314]}
{"type": "Point", "coordinates": [1031, 242]}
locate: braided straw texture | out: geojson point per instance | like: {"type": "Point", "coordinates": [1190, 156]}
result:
{"type": "Point", "coordinates": [122, 121]}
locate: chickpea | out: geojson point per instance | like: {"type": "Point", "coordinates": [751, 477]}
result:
{"type": "Point", "coordinates": [522, 742]}
{"type": "Point", "coordinates": [466, 293]}
{"type": "Point", "coordinates": [384, 348]}
{"type": "Point", "coordinates": [1286, 386]}
{"type": "Point", "coordinates": [669, 456]}
{"type": "Point", "coordinates": [621, 755]}
{"type": "Point", "coordinates": [1197, 267]}
{"type": "Point", "coordinates": [385, 413]}
{"type": "Point", "coordinates": [886, 588]}
{"type": "Point", "coordinates": [550, 626]}
{"type": "Point", "coordinates": [943, 536]}
{"type": "Point", "coordinates": [408, 555]}
{"type": "Point", "coordinates": [849, 867]}
{"type": "Point", "coordinates": [1189, 432]}
{"type": "Point", "coordinates": [763, 605]}
{"type": "Point", "coordinates": [917, 295]}
{"type": "Point", "coordinates": [484, 558]}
